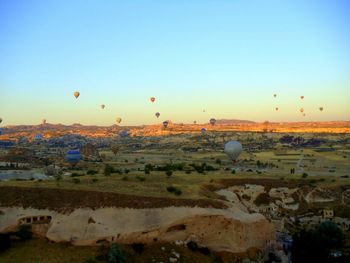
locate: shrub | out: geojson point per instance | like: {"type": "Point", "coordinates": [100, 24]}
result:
{"type": "Point", "coordinates": [171, 189]}
{"type": "Point", "coordinates": [75, 175]}
{"type": "Point", "coordinates": [126, 170]}
{"type": "Point", "coordinates": [147, 171]}
{"type": "Point", "coordinates": [91, 172]}
{"type": "Point", "coordinates": [125, 178]}
{"type": "Point", "coordinates": [76, 180]}
{"type": "Point", "coordinates": [108, 170]}
{"type": "Point", "coordinates": [192, 246]}
{"type": "Point", "coordinates": [94, 180]}
{"type": "Point", "coordinates": [304, 175]}
{"type": "Point", "coordinates": [115, 254]}
{"type": "Point", "coordinates": [149, 167]}
{"type": "Point", "coordinates": [140, 178]}
{"type": "Point", "coordinates": [24, 232]}
{"type": "Point", "coordinates": [5, 242]}
{"type": "Point", "coordinates": [138, 247]}
{"type": "Point", "coordinates": [218, 161]}
{"type": "Point", "coordinates": [178, 192]}
{"type": "Point", "coordinates": [169, 173]}
{"type": "Point", "coordinates": [233, 171]}
{"type": "Point", "coordinates": [126, 161]}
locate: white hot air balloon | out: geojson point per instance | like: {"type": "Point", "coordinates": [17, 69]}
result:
{"type": "Point", "coordinates": [233, 149]}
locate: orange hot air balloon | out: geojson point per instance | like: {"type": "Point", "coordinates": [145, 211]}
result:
{"type": "Point", "coordinates": [76, 94]}
{"type": "Point", "coordinates": [320, 108]}
{"type": "Point", "coordinates": [276, 108]}
{"type": "Point", "coordinates": [152, 99]}
{"type": "Point", "coordinates": [302, 97]}
{"type": "Point", "coordinates": [301, 110]}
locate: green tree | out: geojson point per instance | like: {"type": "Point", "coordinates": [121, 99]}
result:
{"type": "Point", "coordinates": [115, 254]}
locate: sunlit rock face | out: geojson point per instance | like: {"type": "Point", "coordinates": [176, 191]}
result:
{"type": "Point", "coordinates": [229, 230]}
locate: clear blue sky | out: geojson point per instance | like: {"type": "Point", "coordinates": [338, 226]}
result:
{"type": "Point", "coordinates": [227, 57]}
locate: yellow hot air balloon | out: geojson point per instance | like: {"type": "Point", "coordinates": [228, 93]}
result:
{"type": "Point", "coordinates": [301, 110]}
{"type": "Point", "coordinates": [321, 108]}
{"type": "Point", "coordinates": [76, 94]}
{"type": "Point", "coordinates": [119, 120]}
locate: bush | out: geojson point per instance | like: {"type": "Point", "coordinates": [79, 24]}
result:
{"type": "Point", "coordinates": [147, 172]}
{"type": "Point", "coordinates": [304, 175]}
{"type": "Point", "coordinates": [178, 192]}
{"type": "Point", "coordinates": [94, 180]}
{"type": "Point", "coordinates": [5, 242]}
{"type": "Point", "coordinates": [174, 190]}
{"type": "Point", "coordinates": [125, 178]}
{"type": "Point", "coordinates": [126, 171]}
{"type": "Point", "coordinates": [192, 246]}
{"type": "Point", "coordinates": [76, 180]}
{"type": "Point", "coordinates": [24, 232]}
{"type": "Point", "coordinates": [115, 254]}
{"type": "Point", "coordinates": [171, 189]}
{"type": "Point", "coordinates": [140, 178]}
{"type": "Point", "coordinates": [108, 170]}
{"type": "Point", "coordinates": [91, 172]}
{"type": "Point", "coordinates": [169, 173]}
{"type": "Point", "coordinates": [75, 175]}
{"type": "Point", "coordinates": [233, 171]}
{"type": "Point", "coordinates": [138, 247]}
{"type": "Point", "coordinates": [218, 161]}
{"type": "Point", "coordinates": [315, 245]}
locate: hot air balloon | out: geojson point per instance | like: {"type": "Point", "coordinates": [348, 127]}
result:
{"type": "Point", "coordinates": [73, 156]}
{"type": "Point", "coordinates": [276, 108]}
{"type": "Point", "coordinates": [152, 99]}
{"type": "Point", "coordinates": [76, 94]}
{"type": "Point", "coordinates": [275, 95]}
{"type": "Point", "coordinates": [0, 120]}
{"type": "Point", "coordinates": [157, 114]}
{"type": "Point", "coordinates": [103, 106]}
{"type": "Point", "coordinates": [194, 122]}
{"type": "Point", "coordinates": [119, 120]}
{"type": "Point", "coordinates": [203, 130]}
{"type": "Point", "coordinates": [301, 110]}
{"type": "Point", "coordinates": [302, 97]}
{"type": "Point", "coordinates": [212, 121]}
{"type": "Point", "coordinates": [165, 124]}
{"type": "Point", "coordinates": [233, 149]}
{"type": "Point", "coordinates": [304, 114]}
{"type": "Point", "coordinates": [44, 121]}
{"type": "Point", "coordinates": [320, 108]}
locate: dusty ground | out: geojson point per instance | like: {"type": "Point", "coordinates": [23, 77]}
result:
{"type": "Point", "coordinates": [67, 200]}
